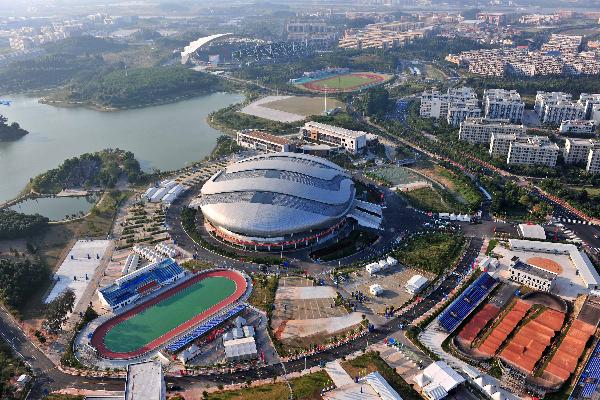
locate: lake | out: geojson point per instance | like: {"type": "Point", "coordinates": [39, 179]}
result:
{"type": "Point", "coordinates": [56, 208]}
{"type": "Point", "coordinates": [166, 137]}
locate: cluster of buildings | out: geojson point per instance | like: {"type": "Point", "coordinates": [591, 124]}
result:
{"type": "Point", "coordinates": [317, 31]}
{"type": "Point", "coordinates": [499, 125]}
{"type": "Point", "coordinates": [384, 35]}
{"type": "Point", "coordinates": [29, 38]}
{"type": "Point", "coordinates": [456, 105]}
{"type": "Point", "coordinates": [559, 56]}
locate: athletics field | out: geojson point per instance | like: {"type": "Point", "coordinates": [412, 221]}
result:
{"type": "Point", "coordinates": [167, 316]}
{"type": "Point", "coordinates": [346, 82]}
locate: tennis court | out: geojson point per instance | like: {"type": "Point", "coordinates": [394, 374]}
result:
{"type": "Point", "coordinates": [163, 318]}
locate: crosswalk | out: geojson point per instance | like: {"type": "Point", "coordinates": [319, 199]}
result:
{"type": "Point", "coordinates": [573, 221]}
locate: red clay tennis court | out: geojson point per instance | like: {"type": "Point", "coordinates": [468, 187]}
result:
{"type": "Point", "coordinates": [492, 343]}
{"type": "Point", "coordinates": [157, 321]}
{"type": "Point", "coordinates": [527, 346]}
{"type": "Point", "coordinates": [478, 322]}
{"type": "Point", "coordinates": [564, 361]}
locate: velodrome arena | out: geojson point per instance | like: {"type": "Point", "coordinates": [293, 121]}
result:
{"type": "Point", "coordinates": [189, 307]}
{"type": "Point", "coordinates": [279, 201]}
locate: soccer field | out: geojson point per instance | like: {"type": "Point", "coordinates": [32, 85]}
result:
{"type": "Point", "coordinates": [168, 314]}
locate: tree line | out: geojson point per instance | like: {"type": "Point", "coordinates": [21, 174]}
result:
{"type": "Point", "coordinates": [15, 225]}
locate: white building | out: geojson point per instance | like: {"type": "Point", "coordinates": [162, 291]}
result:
{"type": "Point", "coordinates": [438, 380]}
{"type": "Point", "coordinates": [577, 150]}
{"type": "Point", "coordinates": [532, 150]}
{"type": "Point", "coordinates": [415, 284]}
{"type": "Point", "coordinates": [593, 161]}
{"type": "Point", "coordinates": [145, 380]}
{"type": "Point", "coordinates": [240, 349]}
{"type": "Point", "coordinates": [257, 140]}
{"type": "Point", "coordinates": [480, 130]}
{"type": "Point", "coordinates": [555, 107]}
{"type": "Point", "coordinates": [375, 289]}
{"type": "Point", "coordinates": [503, 104]}
{"type": "Point", "coordinates": [459, 111]}
{"type": "Point", "coordinates": [455, 105]}
{"type": "Point", "coordinates": [500, 143]}
{"type": "Point", "coordinates": [588, 101]}
{"type": "Point", "coordinates": [581, 262]}
{"type": "Point", "coordinates": [352, 141]}
{"type": "Point", "coordinates": [531, 231]}
{"type": "Point", "coordinates": [434, 104]}
{"type": "Point", "coordinates": [577, 126]}
{"type": "Point", "coordinates": [531, 276]}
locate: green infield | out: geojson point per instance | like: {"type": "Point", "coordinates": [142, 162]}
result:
{"type": "Point", "coordinates": [345, 81]}
{"type": "Point", "coordinates": [168, 314]}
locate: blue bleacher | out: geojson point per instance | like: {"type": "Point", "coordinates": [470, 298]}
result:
{"type": "Point", "coordinates": [460, 308]}
{"type": "Point", "coordinates": [165, 270]}
{"type": "Point", "coordinates": [588, 381]}
{"type": "Point", "coordinates": [203, 328]}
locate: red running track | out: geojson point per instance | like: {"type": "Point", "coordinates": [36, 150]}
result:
{"type": "Point", "coordinates": [98, 337]}
{"type": "Point", "coordinates": [316, 87]}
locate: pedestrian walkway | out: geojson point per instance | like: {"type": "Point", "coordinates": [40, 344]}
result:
{"type": "Point", "coordinates": [338, 375]}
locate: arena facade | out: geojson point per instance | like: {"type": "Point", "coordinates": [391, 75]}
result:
{"type": "Point", "coordinates": [277, 201]}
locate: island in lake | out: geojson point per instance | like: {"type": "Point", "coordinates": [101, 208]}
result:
{"type": "Point", "coordinates": [11, 131]}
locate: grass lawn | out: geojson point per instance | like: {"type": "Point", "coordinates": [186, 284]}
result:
{"type": "Point", "coordinates": [356, 241]}
{"type": "Point", "coordinates": [434, 73]}
{"type": "Point", "coordinates": [433, 252]}
{"type": "Point", "coordinates": [307, 387]}
{"type": "Point", "coordinates": [371, 362]}
{"type": "Point", "coordinates": [304, 105]}
{"type": "Point", "coordinates": [263, 291]}
{"type": "Point", "coordinates": [168, 314]}
{"type": "Point", "coordinates": [343, 81]}
{"type": "Point", "coordinates": [427, 199]}
{"type": "Point", "coordinates": [491, 245]}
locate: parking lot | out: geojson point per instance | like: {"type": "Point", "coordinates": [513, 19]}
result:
{"type": "Point", "coordinates": [392, 282]}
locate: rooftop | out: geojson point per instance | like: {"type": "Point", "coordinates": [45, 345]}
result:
{"type": "Point", "coordinates": [335, 129]}
{"type": "Point", "coordinates": [532, 270]}
{"type": "Point", "coordinates": [266, 137]}
{"type": "Point", "coordinates": [145, 381]}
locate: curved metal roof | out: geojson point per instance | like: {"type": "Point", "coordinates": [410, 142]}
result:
{"type": "Point", "coordinates": [277, 194]}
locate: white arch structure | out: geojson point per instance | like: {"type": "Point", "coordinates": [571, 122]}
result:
{"type": "Point", "coordinates": [196, 44]}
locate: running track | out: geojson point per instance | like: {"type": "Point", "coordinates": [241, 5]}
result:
{"type": "Point", "coordinates": [99, 334]}
{"type": "Point", "coordinates": [317, 85]}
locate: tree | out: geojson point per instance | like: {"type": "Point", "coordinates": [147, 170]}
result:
{"type": "Point", "coordinates": [376, 101]}
{"type": "Point", "coordinates": [58, 309]}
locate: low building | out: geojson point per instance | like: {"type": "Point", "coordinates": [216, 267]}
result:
{"type": "Point", "coordinates": [415, 284]}
{"type": "Point", "coordinates": [531, 231]}
{"type": "Point", "coordinates": [438, 380]}
{"type": "Point", "coordinates": [258, 140]}
{"type": "Point", "coordinates": [581, 262]}
{"type": "Point", "coordinates": [375, 289]}
{"type": "Point", "coordinates": [480, 130]}
{"type": "Point", "coordinates": [240, 349]}
{"type": "Point", "coordinates": [145, 380]}
{"type": "Point", "coordinates": [533, 150]}
{"type": "Point", "coordinates": [531, 276]}
{"type": "Point", "coordinates": [351, 141]}
{"type": "Point", "coordinates": [577, 126]}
